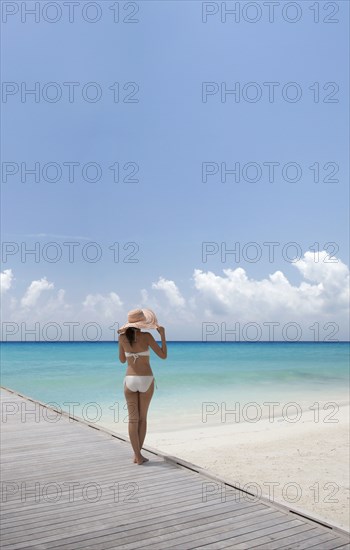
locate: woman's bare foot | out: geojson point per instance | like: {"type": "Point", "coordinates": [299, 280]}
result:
{"type": "Point", "coordinates": [140, 460]}
{"type": "Point", "coordinates": [144, 459]}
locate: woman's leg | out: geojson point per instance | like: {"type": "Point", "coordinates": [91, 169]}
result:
{"type": "Point", "coordinates": [144, 401]}
{"type": "Point", "coordinates": [133, 413]}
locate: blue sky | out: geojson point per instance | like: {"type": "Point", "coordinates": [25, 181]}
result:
{"type": "Point", "coordinates": [169, 133]}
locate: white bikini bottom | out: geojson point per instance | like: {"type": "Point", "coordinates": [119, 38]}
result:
{"type": "Point", "coordinates": [138, 383]}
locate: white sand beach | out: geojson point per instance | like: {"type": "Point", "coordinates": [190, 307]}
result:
{"type": "Point", "coordinates": [307, 461]}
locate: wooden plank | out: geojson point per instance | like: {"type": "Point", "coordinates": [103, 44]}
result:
{"type": "Point", "coordinates": [245, 540]}
{"type": "Point", "coordinates": [208, 531]}
{"type": "Point", "coordinates": [128, 512]}
{"type": "Point", "coordinates": [108, 537]}
{"type": "Point", "coordinates": [275, 539]}
{"type": "Point", "coordinates": [79, 531]}
{"type": "Point", "coordinates": [330, 545]}
{"type": "Point", "coordinates": [315, 541]}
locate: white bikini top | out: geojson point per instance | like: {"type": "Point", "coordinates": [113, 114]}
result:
{"type": "Point", "coordinates": [136, 355]}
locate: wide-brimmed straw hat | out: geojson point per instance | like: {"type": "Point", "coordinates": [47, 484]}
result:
{"type": "Point", "coordinates": [140, 318]}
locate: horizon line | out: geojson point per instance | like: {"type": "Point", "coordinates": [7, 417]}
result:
{"type": "Point", "coordinates": [179, 342]}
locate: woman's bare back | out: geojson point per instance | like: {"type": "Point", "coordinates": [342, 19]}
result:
{"type": "Point", "coordinates": [140, 367]}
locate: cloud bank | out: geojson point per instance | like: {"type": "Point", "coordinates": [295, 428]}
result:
{"type": "Point", "coordinates": [221, 299]}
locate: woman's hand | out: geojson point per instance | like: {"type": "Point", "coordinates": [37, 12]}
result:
{"type": "Point", "coordinates": [161, 330]}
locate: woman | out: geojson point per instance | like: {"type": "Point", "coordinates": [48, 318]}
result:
{"type": "Point", "coordinates": [139, 379]}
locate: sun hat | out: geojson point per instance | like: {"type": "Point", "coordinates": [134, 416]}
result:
{"type": "Point", "coordinates": [140, 318]}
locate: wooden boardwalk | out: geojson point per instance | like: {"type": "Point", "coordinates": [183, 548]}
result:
{"type": "Point", "coordinates": [68, 485]}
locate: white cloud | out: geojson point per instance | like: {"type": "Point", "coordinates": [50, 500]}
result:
{"type": "Point", "coordinates": [34, 291]}
{"type": "Point", "coordinates": [104, 306]}
{"type": "Point", "coordinates": [6, 280]}
{"type": "Point", "coordinates": [331, 274]}
{"type": "Point", "coordinates": [237, 295]}
{"type": "Point", "coordinates": [56, 304]}
{"type": "Point", "coordinates": [171, 292]}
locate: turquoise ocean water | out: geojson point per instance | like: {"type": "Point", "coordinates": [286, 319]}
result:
{"type": "Point", "coordinates": [196, 377]}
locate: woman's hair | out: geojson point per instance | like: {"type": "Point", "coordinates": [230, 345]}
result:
{"type": "Point", "coordinates": [130, 334]}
